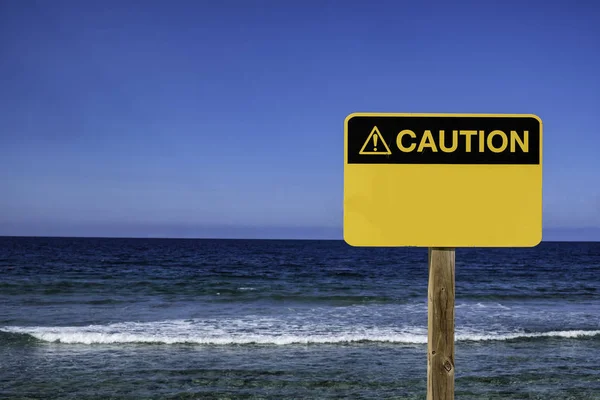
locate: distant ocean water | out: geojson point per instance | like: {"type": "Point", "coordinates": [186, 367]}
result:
{"type": "Point", "coordinates": [243, 319]}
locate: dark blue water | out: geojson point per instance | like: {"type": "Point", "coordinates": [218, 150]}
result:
{"type": "Point", "coordinates": [136, 318]}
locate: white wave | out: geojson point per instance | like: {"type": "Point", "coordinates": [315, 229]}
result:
{"type": "Point", "coordinates": [480, 305]}
{"type": "Point", "coordinates": [523, 335]}
{"type": "Point", "coordinates": [475, 307]}
{"type": "Point", "coordinates": [240, 332]}
{"type": "Point", "coordinates": [102, 338]}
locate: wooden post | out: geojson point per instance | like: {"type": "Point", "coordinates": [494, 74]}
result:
{"type": "Point", "coordinates": [440, 327]}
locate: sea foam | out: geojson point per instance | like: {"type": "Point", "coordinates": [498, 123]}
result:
{"type": "Point", "coordinates": [239, 332]}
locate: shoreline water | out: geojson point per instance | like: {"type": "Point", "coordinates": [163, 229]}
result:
{"type": "Point", "coordinates": [150, 318]}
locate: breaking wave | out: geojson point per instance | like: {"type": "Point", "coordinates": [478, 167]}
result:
{"type": "Point", "coordinates": [241, 333]}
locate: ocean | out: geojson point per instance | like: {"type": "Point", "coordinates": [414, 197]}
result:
{"type": "Point", "coordinates": [84, 318]}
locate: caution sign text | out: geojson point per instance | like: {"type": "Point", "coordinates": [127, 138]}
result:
{"type": "Point", "coordinates": [443, 140]}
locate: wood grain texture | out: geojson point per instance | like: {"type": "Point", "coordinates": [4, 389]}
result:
{"type": "Point", "coordinates": [440, 315]}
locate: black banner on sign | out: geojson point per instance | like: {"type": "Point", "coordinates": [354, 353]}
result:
{"type": "Point", "coordinates": [443, 139]}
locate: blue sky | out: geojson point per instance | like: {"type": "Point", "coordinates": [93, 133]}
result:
{"type": "Point", "coordinates": [197, 118]}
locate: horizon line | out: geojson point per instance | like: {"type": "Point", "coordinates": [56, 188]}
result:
{"type": "Point", "coordinates": [257, 239]}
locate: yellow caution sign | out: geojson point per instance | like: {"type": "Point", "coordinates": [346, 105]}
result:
{"type": "Point", "coordinates": [376, 144]}
{"type": "Point", "coordinates": [447, 180]}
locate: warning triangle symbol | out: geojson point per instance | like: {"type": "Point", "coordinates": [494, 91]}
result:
{"type": "Point", "coordinates": [375, 144]}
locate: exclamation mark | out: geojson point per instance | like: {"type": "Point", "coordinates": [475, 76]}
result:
{"type": "Point", "coordinates": [375, 141]}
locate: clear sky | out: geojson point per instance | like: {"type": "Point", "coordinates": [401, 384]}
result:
{"type": "Point", "coordinates": [225, 118]}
